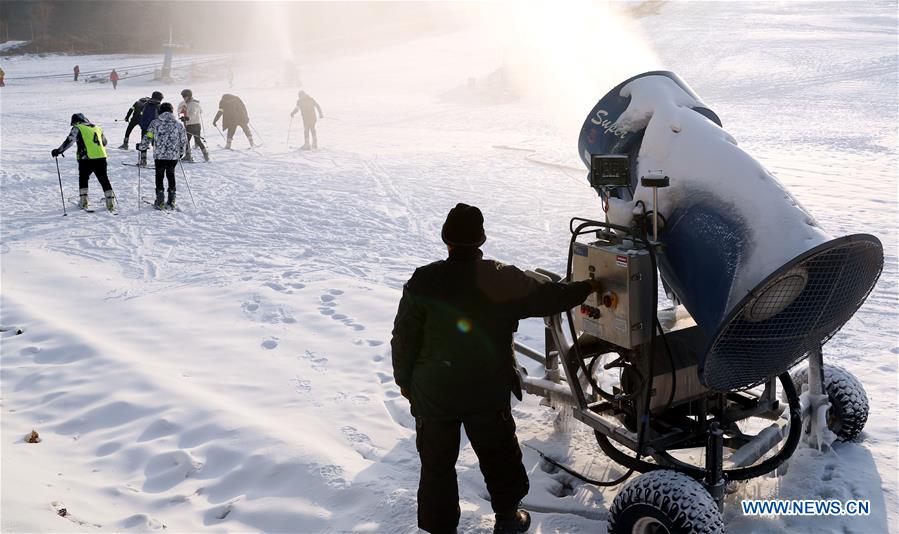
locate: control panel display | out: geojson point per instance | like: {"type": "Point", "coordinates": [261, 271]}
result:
{"type": "Point", "coordinates": [610, 170]}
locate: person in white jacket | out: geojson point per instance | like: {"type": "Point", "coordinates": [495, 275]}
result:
{"type": "Point", "coordinates": [191, 113]}
{"type": "Point", "coordinates": [169, 139]}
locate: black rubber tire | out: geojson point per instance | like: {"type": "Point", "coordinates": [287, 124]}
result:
{"type": "Point", "coordinates": [675, 501]}
{"type": "Point", "coordinates": [848, 401]}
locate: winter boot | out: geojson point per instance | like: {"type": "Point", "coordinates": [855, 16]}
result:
{"type": "Point", "coordinates": [205, 154]}
{"type": "Point", "coordinates": [124, 146]}
{"type": "Point", "coordinates": [170, 203]}
{"type": "Point", "coordinates": [110, 200]}
{"type": "Point", "coordinates": [228, 144]}
{"type": "Point", "coordinates": [142, 160]}
{"type": "Point", "coordinates": [83, 201]}
{"type": "Point", "coordinates": [160, 200]}
{"type": "Point", "coordinates": [519, 522]}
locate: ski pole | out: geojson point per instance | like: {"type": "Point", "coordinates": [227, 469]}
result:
{"type": "Point", "coordinates": [61, 196]}
{"type": "Point", "coordinates": [187, 184]}
{"type": "Point", "coordinates": [139, 199]}
{"type": "Point", "coordinates": [261, 140]}
{"type": "Point", "coordinates": [288, 132]}
{"type": "Point", "coordinates": [220, 132]}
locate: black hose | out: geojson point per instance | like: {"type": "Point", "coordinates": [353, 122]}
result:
{"type": "Point", "coordinates": [575, 474]}
{"type": "Point", "coordinates": [742, 473]}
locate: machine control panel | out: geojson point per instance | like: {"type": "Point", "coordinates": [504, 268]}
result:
{"type": "Point", "coordinates": [621, 313]}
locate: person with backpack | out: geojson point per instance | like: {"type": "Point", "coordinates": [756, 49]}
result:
{"type": "Point", "coordinates": [91, 153]}
{"type": "Point", "coordinates": [233, 114]}
{"type": "Point", "coordinates": [147, 115]}
{"type": "Point", "coordinates": [133, 119]}
{"type": "Point", "coordinates": [169, 139]}
{"type": "Point", "coordinates": [307, 106]}
{"type": "Point", "coordinates": [190, 113]}
{"type": "Point", "coordinates": [114, 78]}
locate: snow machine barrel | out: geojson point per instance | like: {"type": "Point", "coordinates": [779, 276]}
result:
{"type": "Point", "coordinates": [763, 281]}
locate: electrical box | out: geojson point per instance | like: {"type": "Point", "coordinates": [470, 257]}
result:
{"type": "Point", "coordinates": [622, 312]}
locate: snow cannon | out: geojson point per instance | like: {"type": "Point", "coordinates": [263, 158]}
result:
{"type": "Point", "coordinates": [755, 270]}
{"type": "Point", "coordinates": [756, 285]}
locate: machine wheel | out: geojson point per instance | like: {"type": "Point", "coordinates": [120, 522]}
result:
{"type": "Point", "coordinates": [664, 501]}
{"type": "Point", "coordinates": [848, 402]}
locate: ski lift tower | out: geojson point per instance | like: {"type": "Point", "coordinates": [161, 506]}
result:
{"type": "Point", "coordinates": [168, 49]}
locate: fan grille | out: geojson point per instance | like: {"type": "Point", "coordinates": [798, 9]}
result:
{"type": "Point", "coordinates": [837, 277]}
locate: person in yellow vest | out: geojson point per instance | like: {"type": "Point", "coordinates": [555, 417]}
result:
{"type": "Point", "coordinates": [91, 153]}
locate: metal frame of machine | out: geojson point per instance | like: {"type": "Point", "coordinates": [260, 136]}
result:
{"type": "Point", "coordinates": [645, 413]}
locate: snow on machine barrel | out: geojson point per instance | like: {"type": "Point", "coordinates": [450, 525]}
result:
{"type": "Point", "coordinates": [757, 285]}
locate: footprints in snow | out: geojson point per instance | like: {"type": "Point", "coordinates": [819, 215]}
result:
{"type": "Point", "coordinates": [317, 362]}
{"type": "Point", "coordinates": [264, 312]}
{"type": "Point", "coordinates": [259, 309]}
{"type": "Point", "coordinates": [328, 307]}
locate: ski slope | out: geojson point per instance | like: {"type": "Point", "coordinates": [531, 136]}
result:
{"type": "Point", "coordinates": [227, 368]}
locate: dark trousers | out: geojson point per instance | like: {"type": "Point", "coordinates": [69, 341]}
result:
{"type": "Point", "coordinates": [233, 128]}
{"type": "Point", "coordinates": [131, 125]}
{"type": "Point", "coordinates": [309, 128]}
{"type": "Point", "coordinates": [165, 167]}
{"type": "Point", "coordinates": [97, 167]}
{"type": "Point", "coordinates": [492, 437]}
{"type": "Point", "coordinates": [195, 131]}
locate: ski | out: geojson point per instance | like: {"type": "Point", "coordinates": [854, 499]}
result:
{"type": "Point", "coordinates": [136, 165]}
{"type": "Point", "coordinates": [151, 202]}
{"type": "Point", "coordinates": [76, 202]}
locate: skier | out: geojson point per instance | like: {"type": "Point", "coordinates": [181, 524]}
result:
{"type": "Point", "coordinates": [453, 359]}
{"type": "Point", "coordinates": [190, 113]}
{"type": "Point", "coordinates": [307, 105]}
{"type": "Point", "coordinates": [149, 112]}
{"type": "Point", "coordinates": [2, 75]}
{"type": "Point", "coordinates": [169, 139]}
{"type": "Point", "coordinates": [114, 78]}
{"type": "Point", "coordinates": [233, 114]}
{"type": "Point", "coordinates": [133, 118]}
{"type": "Point", "coordinates": [91, 154]}
{"type": "Point", "coordinates": [77, 71]}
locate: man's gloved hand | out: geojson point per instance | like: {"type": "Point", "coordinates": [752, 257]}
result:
{"type": "Point", "coordinates": [595, 285]}
{"type": "Point", "coordinates": [182, 118]}
{"type": "Point", "coordinates": [142, 147]}
{"type": "Point", "coordinates": [214, 125]}
{"type": "Point", "coordinates": [55, 152]}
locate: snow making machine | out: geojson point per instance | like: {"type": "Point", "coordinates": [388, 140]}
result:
{"type": "Point", "coordinates": [757, 288]}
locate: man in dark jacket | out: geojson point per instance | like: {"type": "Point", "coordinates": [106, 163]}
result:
{"type": "Point", "coordinates": [307, 107]}
{"type": "Point", "coordinates": [453, 359]}
{"type": "Point", "coordinates": [233, 114]}
{"type": "Point", "coordinates": [133, 118]}
{"type": "Point", "coordinates": [147, 115]}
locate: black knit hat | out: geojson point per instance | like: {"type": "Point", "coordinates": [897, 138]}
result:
{"type": "Point", "coordinates": [156, 96]}
{"type": "Point", "coordinates": [166, 106]}
{"type": "Point", "coordinates": [464, 227]}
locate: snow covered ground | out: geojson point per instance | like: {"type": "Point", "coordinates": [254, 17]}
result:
{"type": "Point", "coordinates": [227, 367]}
